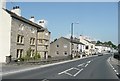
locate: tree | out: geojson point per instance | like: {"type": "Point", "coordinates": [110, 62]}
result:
{"type": "Point", "coordinates": [98, 42]}
{"type": "Point", "coordinates": [109, 43]}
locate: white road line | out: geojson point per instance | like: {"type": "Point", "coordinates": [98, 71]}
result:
{"type": "Point", "coordinates": [77, 73]}
{"type": "Point", "coordinates": [86, 65]}
{"type": "Point", "coordinates": [68, 74]}
{"type": "Point", "coordinates": [81, 64]}
{"type": "Point", "coordinates": [88, 61]}
{"type": "Point", "coordinates": [65, 71]}
{"type": "Point", "coordinates": [117, 73]}
{"type": "Point", "coordinates": [76, 68]}
{"type": "Point", "coordinates": [112, 67]}
{"type": "Point", "coordinates": [115, 70]}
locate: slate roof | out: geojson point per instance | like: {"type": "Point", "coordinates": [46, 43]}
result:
{"type": "Point", "coordinates": [74, 41]}
{"type": "Point", "coordinates": [23, 19]}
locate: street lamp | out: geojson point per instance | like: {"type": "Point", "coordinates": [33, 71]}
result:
{"type": "Point", "coordinates": [72, 39]}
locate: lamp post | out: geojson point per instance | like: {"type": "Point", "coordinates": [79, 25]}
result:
{"type": "Point", "coordinates": [72, 39]}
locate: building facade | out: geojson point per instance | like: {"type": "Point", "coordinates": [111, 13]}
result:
{"type": "Point", "coordinates": [43, 44]}
{"type": "Point", "coordinates": [21, 35]}
{"type": "Point", "coordinates": [89, 45]}
{"type": "Point", "coordinates": [62, 47]}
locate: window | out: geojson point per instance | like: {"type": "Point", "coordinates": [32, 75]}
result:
{"type": "Point", "coordinates": [32, 30]}
{"type": "Point", "coordinates": [46, 34]}
{"type": "Point", "coordinates": [57, 45]}
{"type": "Point", "coordinates": [21, 27]}
{"type": "Point", "coordinates": [19, 53]}
{"type": "Point", "coordinates": [57, 52]}
{"type": "Point", "coordinates": [77, 47]}
{"type": "Point", "coordinates": [40, 41]}
{"type": "Point", "coordinates": [86, 47]}
{"type": "Point", "coordinates": [65, 52]}
{"type": "Point", "coordinates": [32, 52]}
{"type": "Point", "coordinates": [32, 41]}
{"type": "Point", "coordinates": [20, 39]}
{"type": "Point", "coordinates": [92, 46]}
{"type": "Point", "coordinates": [46, 47]}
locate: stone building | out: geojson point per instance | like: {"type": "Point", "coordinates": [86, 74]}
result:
{"type": "Point", "coordinates": [20, 35]}
{"type": "Point", "coordinates": [43, 45]}
{"type": "Point", "coordinates": [62, 47]}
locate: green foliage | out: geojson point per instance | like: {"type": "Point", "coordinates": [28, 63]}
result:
{"type": "Point", "coordinates": [28, 52]}
{"type": "Point", "coordinates": [109, 43]}
{"type": "Point", "coordinates": [36, 56]}
{"type": "Point", "coordinates": [27, 56]}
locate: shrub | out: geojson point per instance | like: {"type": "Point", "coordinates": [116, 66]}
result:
{"type": "Point", "coordinates": [36, 56]}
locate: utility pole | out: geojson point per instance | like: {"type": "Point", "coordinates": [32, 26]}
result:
{"type": "Point", "coordinates": [71, 40]}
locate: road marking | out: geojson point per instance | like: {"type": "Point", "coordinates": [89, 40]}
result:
{"type": "Point", "coordinates": [115, 70]}
{"type": "Point", "coordinates": [68, 74]}
{"type": "Point", "coordinates": [86, 65]}
{"type": "Point", "coordinates": [88, 61]}
{"type": "Point", "coordinates": [81, 64]}
{"type": "Point", "coordinates": [65, 71]}
{"type": "Point", "coordinates": [117, 73]}
{"type": "Point", "coordinates": [76, 68]}
{"type": "Point", "coordinates": [77, 73]}
{"type": "Point", "coordinates": [112, 67]}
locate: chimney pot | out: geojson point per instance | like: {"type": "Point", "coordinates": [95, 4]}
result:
{"type": "Point", "coordinates": [16, 10]}
{"type": "Point", "coordinates": [32, 16]}
{"type": "Point", "coordinates": [13, 7]}
{"type": "Point", "coordinates": [16, 7]}
{"type": "Point", "coordinates": [32, 19]}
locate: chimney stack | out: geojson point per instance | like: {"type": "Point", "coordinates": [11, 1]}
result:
{"type": "Point", "coordinates": [32, 19]}
{"type": "Point", "coordinates": [42, 23]}
{"type": "Point", "coordinates": [16, 10]}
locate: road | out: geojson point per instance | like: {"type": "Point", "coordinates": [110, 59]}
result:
{"type": "Point", "coordinates": [88, 68]}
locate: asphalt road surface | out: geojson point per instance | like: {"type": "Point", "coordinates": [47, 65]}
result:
{"type": "Point", "coordinates": [88, 68]}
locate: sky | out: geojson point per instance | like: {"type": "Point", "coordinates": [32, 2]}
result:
{"type": "Point", "coordinates": [98, 20]}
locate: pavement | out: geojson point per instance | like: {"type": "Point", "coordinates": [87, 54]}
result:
{"type": "Point", "coordinates": [14, 68]}
{"type": "Point", "coordinates": [115, 64]}
{"type": "Point", "coordinates": [96, 67]}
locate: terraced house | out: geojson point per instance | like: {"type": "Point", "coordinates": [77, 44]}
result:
{"type": "Point", "coordinates": [22, 35]}
{"type": "Point", "coordinates": [61, 47]}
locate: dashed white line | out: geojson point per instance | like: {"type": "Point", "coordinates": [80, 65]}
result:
{"type": "Point", "coordinates": [77, 73]}
{"type": "Point", "coordinates": [115, 70]}
{"type": "Point", "coordinates": [113, 67]}
{"type": "Point", "coordinates": [117, 73]}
